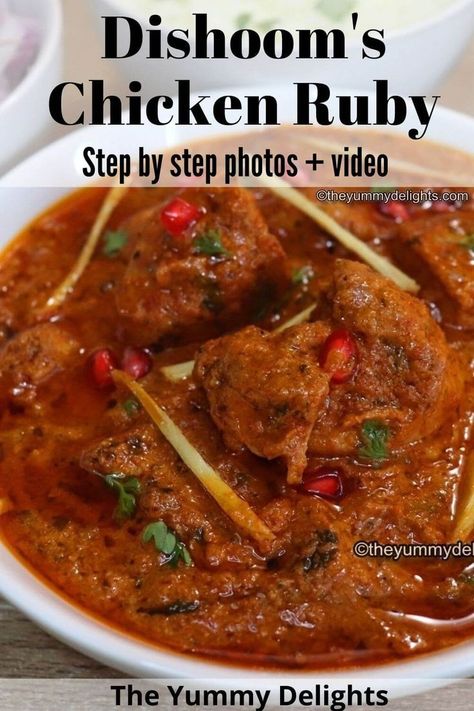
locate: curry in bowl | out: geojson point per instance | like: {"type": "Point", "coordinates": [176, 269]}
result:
{"type": "Point", "coordinates": [209, 396]}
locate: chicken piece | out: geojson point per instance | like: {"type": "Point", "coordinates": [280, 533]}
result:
{"type": "Point", "coordinates": [207, 279]}
{"type": "Point", "coordinates": [34, 355]}
{"type": "Point", "coordinates": [168, 491]}
{"type": "Point", "coordinates": [407, 375]}
{"type": "Point", "coordinates": [266, 391]}
{"type": "Point", "coordinates": [446, 246]}
{"type": "Point", "coordinates": [131, 453]}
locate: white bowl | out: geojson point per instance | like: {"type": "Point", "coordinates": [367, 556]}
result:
{"type": "Point", "coordinates": [416, 60]}
{"type": "Point", "coordinates": [24, 114]}
{"type": "Point", "coordinates": [56, 166]}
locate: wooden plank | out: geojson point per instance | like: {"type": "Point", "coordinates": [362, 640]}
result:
{"type": "Point", "coordinates": [28, 652]}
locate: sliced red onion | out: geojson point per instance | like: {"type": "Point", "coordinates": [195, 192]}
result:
{"type": "Point", "coordinates": [19, 44]}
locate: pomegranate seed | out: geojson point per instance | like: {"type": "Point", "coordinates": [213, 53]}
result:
{"type": "Point", "coordinates": [325, 482]}
{"type": "Point", "coordinates": [102, 363]}
{"type": "Point", "coordinates": [394, 209]}
{"type": "Point", "coordinates": [178, 215]}
{"type": "Point", "coordinates": [136, 362]}
{"type": "Point", "coordinates": [338, 356]}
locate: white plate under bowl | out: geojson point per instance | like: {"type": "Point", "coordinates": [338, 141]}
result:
{"type": "Point", "coordinates": [56, 167]}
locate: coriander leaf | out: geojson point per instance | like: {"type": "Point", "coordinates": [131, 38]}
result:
{"type": "Point", "coordinates": [302, 276]}
{"type": "Point", "coordinates": [467, 578]}
{"type": "Point", "coordinates": [131, 406]}
{"type": "Point", "coordinates": [166, 542]}
{"type": "Point", "coordinates": [468, 242]}
{"type": "Point", "coordinates": [374, 440]}
{"type": "Point", "coordinates": [114, 242]}
{"type": "Point", "coordinates": [169, 544]}
{"type": "Point", "coordinates": [210, 243]}
{"type": "Point", "coordinates": [336, 9]}
{"type": "Point", "coordinates": [157, 532]}
{"type": "Point", "coordinates": [127, 489]}
{"type": "Point", "coordinates": [185, 555]}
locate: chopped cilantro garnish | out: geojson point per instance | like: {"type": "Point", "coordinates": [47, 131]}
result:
{"type": "Point", "coordinates": [114, 242]}
{"type": "Point", "coordinates": [167, 543]}
{"type": "Point", "coordinates": [468, 242]}
{"type": "Point", "coordinates": [127, 489]}
{"type": "Point", "coordinates": [210, 243]}
{"type": "Point", "coordinates": [302, 276]}
{"type": "Point", "coordinates": [131, 406]}
{"type": "Point", "coordinates": [374, 441]}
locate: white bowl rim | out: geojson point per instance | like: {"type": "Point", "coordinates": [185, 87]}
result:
{"type": "Point", "coordinates": [140, 658]}
{"type": "Point", "coordinates": [443, 14]}
{"type": "Point", "coordinates": [137, 657]}
{"type": "Point", "coordinates": [49, 43]}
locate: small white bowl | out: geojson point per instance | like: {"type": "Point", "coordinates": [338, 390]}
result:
{"type": "Point", "coordinates": [417, 58]}
{"type": "Point", "coordinates": [24, 114]}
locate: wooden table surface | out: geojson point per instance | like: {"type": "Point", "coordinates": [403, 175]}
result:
{"type": "Point", "coordinates": [27, 651]}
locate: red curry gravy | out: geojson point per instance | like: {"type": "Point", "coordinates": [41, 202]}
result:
{"type": "Point", "coordinates": [309, 602]}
